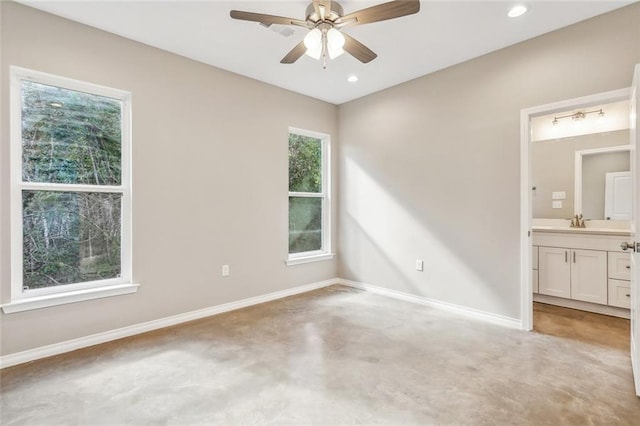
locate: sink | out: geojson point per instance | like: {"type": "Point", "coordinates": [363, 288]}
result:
{"type": "Point", "coordinates": [610, 227]}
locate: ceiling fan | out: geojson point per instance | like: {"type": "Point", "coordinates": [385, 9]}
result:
{"type": "Point", "coordinates": [324, 19]}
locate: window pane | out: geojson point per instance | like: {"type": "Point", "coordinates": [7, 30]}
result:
{"type": "Point", "coordinates": [305, 164]}
{"type": "Point", "coordinates": [305, 224]}
{"type": "Point", "coordinates": [69, 136]}
{"type": "Point", "coordinates": [70, 237]}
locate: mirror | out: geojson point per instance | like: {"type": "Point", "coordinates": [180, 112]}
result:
{"type": "Point", "coordinates": [569, 173]}
{"type": "Point", "coordinates": [605, 172]}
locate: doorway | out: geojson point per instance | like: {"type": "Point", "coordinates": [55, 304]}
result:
{"type": "Point", "coordinates": [561, 258]}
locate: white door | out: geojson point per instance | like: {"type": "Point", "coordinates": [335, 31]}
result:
{"type": "Point", "coordinates": [635, 223]}
{"type": "Point", "coordinates": [617, 196]}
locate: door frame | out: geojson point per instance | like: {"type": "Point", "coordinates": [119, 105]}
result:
{"type": "Point", "coordinates": [526, 212]}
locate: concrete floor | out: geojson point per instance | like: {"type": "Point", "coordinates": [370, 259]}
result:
{"type": "Point", "coordinates": [337, 356]}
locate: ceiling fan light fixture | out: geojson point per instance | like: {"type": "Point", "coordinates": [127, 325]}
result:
{"type": "Point", "coordinates": [313, 43]}
{"type": "Point", "coordinates": [335, 43]}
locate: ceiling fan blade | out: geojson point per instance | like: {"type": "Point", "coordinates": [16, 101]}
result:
{"type": "Point", "coordinates": [266, 19]}
{"type": "Point", "coordinates": [294, 54]}
{"type": "Point", "coordinates": [381, 12]}
{"type": "Point", "coordinates": [358, 50]}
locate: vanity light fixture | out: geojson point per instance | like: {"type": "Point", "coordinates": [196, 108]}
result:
{"type": "Point", "coordinates": [578, 116]}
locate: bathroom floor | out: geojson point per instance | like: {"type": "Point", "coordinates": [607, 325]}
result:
{"type": "Point", "coordinates": [582, 326]}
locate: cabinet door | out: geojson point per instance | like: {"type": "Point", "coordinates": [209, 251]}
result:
{"type": "Point", "coordinates": [534, 281]}
{"type": "Point", "coordinates": [589, 276]}
{"type": "Point", "coordinates": [554, 271]}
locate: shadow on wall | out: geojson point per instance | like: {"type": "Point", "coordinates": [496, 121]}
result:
{"type": "Point", "coordinates": [385, 229]}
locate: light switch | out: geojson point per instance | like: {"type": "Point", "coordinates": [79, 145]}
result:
{"type": "Point", "coordinates": [559, 195]}
{"type": "Point", "coordinates": [419, 265]}
{"type": "Point", "coordinates": [556, 204]}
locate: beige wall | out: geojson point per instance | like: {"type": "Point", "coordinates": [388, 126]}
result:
{"type": "Point", "coordinates": [553, 169]}
{"type": "Point", "coordinates": [430, 169]}
{"type": "Point", "coordinates": [209, 177]}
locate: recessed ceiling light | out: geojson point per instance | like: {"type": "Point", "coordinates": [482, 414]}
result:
{"type": "Point", "coordinates": [352, 78]}
{"type": "Point", "coordinates": [516, 11]}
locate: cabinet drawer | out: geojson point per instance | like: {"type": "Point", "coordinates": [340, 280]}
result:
{"type": "Point", "coordinates": [619, 264]}
{"type": "Point", "coordinates": [534, 281]}
{"type": "Point", "coordinates": [534, 257]}
{"type": "Point", "coordinates": [619, 293]}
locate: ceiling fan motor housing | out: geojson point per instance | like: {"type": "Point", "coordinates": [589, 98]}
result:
{"type": "Point", "coordinates": [335, 13]}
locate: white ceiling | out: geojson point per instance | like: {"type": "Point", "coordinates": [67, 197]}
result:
{"type": "Point", "coordinates": [442, 34]}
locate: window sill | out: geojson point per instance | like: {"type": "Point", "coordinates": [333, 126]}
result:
{"type": "Point", "coordinates": [30, 303]}
{"type": "Point", "coordinates": [308, 259]}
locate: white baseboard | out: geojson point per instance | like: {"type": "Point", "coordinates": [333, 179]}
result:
{"type": "Point", "coordinates": [457, 309]}
{"type": "Point", "coordinates": [107, 336]}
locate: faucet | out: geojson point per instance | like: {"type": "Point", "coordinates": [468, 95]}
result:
{"type": "Point", "coordinates": [577, 221]}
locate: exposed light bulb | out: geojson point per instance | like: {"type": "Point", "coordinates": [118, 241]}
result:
{"type": "Point", "coordinates": [516, 11]}
{"type": "Point", "coordinates": [335, 43]}
{"type": "Point", "coordinates": [313, 43]}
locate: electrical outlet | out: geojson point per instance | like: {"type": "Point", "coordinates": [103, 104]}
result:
{"type": "Point", "coordinates": [556, 204]}
{"type": "Point", "coordinates": [419, 265]}
{"type": "Point", "coordinates": [225, 270]}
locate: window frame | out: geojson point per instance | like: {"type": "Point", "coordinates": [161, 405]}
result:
{"type": "Point", "coordinates": [325, 252]}
{"type": "Point", "coordinates": [26, 299]}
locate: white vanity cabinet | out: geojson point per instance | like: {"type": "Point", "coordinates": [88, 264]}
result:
{"type": "Point", "coordinates": [581, 269]}
{"type": "Point", "coordinates": [573, 274]}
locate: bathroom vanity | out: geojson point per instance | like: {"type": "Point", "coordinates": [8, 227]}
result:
{"type": "Point", "coordinates": [582, 268]}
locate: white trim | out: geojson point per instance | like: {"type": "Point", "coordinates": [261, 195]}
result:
{"type": "Point", "coordinates": [577, 184]}
{"type": "Point", "coordinates": [437, 304]}
{"type": "Point", "coordinates": [308, 259]}
{"type": "Point", "coordinates": [66, 82]}
{"type": "Point", "coordinates": [56, 299]}
{"type": "Point", "coordinates": [526, 294]}
{"type": "Point", "coordinates": [107, 336]}
{"type": "Point", "coordinates": [635, 368]}
{"type": "Point", "coordinates": [69, 292]}
{"type": "Point", "coordinates": [70, 187]}
{"type": "Point", "coordinates": [306, 194]}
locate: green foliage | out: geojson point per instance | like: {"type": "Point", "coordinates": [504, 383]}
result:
{"type": "Point", "coordinates": [73, 138]}
{"type": "Point", "coordinates": [305, 175]}
{"type": "Point", "coordinates": [305, 164]}
{"type": "Point", "coordinates": [305, 224]}
{"type": "Point", "coordinates": [69, 136]}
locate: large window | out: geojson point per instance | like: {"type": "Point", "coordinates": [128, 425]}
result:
{"type": "Point", "coordinates": [70, 205]}
{"type": "Point", "coordinates": [309, 210]}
